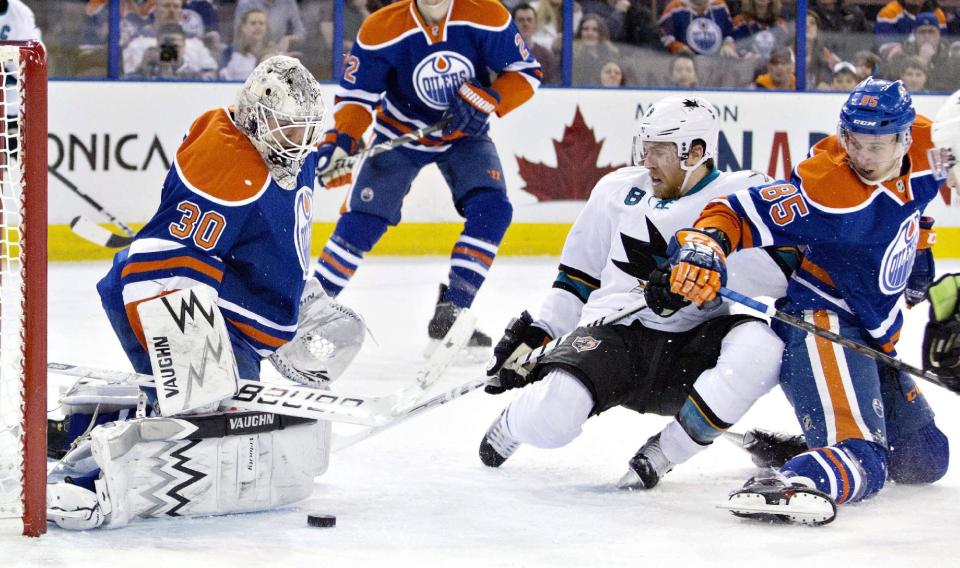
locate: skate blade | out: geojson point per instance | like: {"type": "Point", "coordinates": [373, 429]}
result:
{"type": "Point", "coordinates": [803, 508]}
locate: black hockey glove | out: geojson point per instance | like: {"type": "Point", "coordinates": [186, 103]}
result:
{"type": "Point", "coordinates": [657, 292]}
{"type": "Point", "coordinates": [941, 339]}
{"type": "Point", "coordinates": [519, 338]}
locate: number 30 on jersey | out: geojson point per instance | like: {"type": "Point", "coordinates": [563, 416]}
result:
{"type": "Point", "coordinates": [204, 228]}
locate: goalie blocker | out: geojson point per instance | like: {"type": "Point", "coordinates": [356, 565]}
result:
{"type": "Point", "coordinates": [189, 466]}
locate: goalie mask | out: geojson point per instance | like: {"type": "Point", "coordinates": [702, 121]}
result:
{"type": "Point", "coordinates": [281, 111]}
{"type": "Point", "coordinates": [945, 157]}
{"type": "Point", "coordinates": [681, 120]}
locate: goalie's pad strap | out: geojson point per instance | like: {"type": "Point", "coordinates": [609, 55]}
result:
{"type": "Point", "coordinates": [162, 467]}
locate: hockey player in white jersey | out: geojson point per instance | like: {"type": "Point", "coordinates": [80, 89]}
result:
{"type": "Point", "coordinates": [703, 366]}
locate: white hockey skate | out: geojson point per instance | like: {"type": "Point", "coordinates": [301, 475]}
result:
{"type": "Point", "coordinates": [772, 497]}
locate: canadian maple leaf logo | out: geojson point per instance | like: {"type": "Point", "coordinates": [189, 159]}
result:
{"type": "Point", "coordinates": [576, 172]}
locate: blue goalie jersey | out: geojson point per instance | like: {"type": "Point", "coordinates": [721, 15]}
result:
{"type": "Point", "coordinates": [223, 223]}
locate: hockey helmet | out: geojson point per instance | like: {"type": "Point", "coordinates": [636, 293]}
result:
{"type": "Point", "coordinates": [946, 137]}
{"type": "Point", "coordinates": [875, 110]}
{"type": "Point", "coordinates": [281, 111]}
{"type": "Point", "coordinates": [681, 120]}
{"type": "Point", "coordinates": [878, 107]}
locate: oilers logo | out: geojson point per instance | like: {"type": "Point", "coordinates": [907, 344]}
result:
{"type": "Point", "coordinates": [303, 212]}
{"type": "Point", "coordinates": [898, 259]}
{"type": "Point", "coordinates": [437, 78]}
{"type": "Point", "coordinates": [704, 36]}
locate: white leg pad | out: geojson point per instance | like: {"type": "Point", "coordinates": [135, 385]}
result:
{"type": "Point", "coordinates": [550, 413]}
{"type": "Point", "coordinates": [168, 467]}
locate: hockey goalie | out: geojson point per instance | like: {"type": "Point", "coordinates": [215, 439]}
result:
{"type": "Point", "coordinates": [214, 283]}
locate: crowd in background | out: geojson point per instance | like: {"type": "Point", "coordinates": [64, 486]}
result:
{"type": "Point", "coordinates": [665, 43]}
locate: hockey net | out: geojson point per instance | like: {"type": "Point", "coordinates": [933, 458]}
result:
{"type": "Point", "coordinates": [23, 266]}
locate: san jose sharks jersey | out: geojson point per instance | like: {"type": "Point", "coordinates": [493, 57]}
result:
{"type": "Point", "coordinates": [622, 234]}
{"type": "Point", "coordinates": [224, 223]}
{"type": "Point", "coordinates": [407, 72]}
{"type": "Point", "coordinates": [860, 239]}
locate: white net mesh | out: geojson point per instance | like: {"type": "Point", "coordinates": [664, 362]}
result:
{"type": "Point", "coordinates": [11, 290]}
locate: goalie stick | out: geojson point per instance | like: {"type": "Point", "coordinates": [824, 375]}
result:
{"type": "Point", "coordinates": [860, 348]}
{"type": "Point", "coordinates": [89, 230]}
{"type": "Point", "coordinates": [290, 400]}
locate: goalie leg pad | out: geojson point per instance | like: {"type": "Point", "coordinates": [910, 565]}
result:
{"type": "Point", "coordinates": [208, 465]}
{"type": "Point", "coordinates": [190, 350]}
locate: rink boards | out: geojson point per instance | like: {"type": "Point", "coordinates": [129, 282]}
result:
{"type": "Point", "coordinates": [552, 149]}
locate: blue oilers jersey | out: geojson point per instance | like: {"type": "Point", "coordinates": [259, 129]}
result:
{"type": "Point", "coordinates": [225, 224]}
{"type": "Point", "coordinates": [860, 239]}
{"type": "Point", "coordinates": [407, 72]}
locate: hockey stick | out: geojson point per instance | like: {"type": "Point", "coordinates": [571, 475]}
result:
{"type": "Point", "coordinates": [798, 323]}
{"type": "Point", "coordinates": [532, 357]}
{"type": "Point", "coordinates": [90, 230]}
{"type": "Point", "coordinates": [408, 137]}
{"type": "Point", "coordinates": [343, 442]}
{"type": "Point", "coordinates": [291, 400]}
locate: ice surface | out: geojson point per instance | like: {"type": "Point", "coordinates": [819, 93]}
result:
{"type": "Point", "coordinates": [417, 495]}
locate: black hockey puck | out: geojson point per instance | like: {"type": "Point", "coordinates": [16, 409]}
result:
{"type": "Point", "coordinates": [321, 520]}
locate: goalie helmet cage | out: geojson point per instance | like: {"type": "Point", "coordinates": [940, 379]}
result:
{"type": "Point", "coordinates": [23, 287]}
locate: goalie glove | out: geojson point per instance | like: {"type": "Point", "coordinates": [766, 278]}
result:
{"type": "Point", "coordinates": [519, 338]}
{"type": "Point", "coordinates": [941, 339]}
{"type": "Point", "coordinates": [335, 160]}
{"type": "Point", "coordinates": [329, 335]}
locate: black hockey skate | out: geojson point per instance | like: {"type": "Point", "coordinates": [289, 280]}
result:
{"type": "Point", "coordinates": [647, 466]}
{"type": "Point", "coordinates": [771, 497]}
{"type": "Point", "coordinates": [769, 449]}
{"type": "Point", "coordinates": [497, 445]}
{"type": "Point", "coordinates": [480, 344]}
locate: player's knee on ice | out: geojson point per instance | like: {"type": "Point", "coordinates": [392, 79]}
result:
{"type": "Point", "coordinates": [550, 413]}
{"type": "Point", "coordinates": [922, 457]}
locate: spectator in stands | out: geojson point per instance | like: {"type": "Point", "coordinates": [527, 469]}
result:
{"type": "Point", "coordinates": [758, 29]}
{"type": "Point", "coordinates": [897, 20]}
{"type": "Point", "coordinates": [550, 18]}
{"type": "Point", "coordinates": [844, 77]}
{"type": "Point", "coordinates": [135, 13]}
{"type": "Point", "coordinates": [697, 27]}
{"type": "Point", "coordinates": [197, 57]}
{"type": "Point", "coordinates": [173, 55]}
{"type": "Point", "coordinates": [841, 16]}
{"type": "Point", "coordinates": [629, 21]}
{"type": "Point", "coordinates": [779, 75]}
{"type": "Point", "coordinates": [820, 59]}
{"type": "Point", "coordinates": [611, 75]}
{"type": "Point", "coordinates": [914, 75]}
{"type": "Point", "coordinates": [683, 72]}
{"type": "Point", "coordinates": [525, 17]}
{"type": "Point", "coordinates": [867, 64]}
{"type": "Point", "coordinates": [286, 25]}
{"type": "Point", "coordinates": [926, 44]}
{"type": "Point", "coordinates": [251, 45]}
{"type": "Point", "coordinates": [591, 48]}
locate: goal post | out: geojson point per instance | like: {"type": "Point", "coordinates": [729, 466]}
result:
{"type": "Point", "coordinates": [23, 286]}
